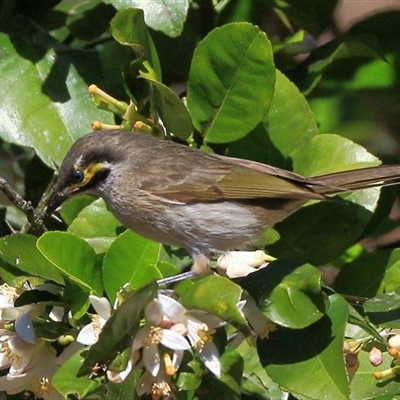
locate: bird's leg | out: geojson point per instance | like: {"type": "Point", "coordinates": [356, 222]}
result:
{"type": "Point", "coordinates": [200, 267]}
{"type": "Point", "coordinates": [176, 278]}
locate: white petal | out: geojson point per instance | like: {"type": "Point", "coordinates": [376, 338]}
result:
{"type": "Point", "coordinates": [171, 308]}
{"type": "Point", "coordinates": [119, 377]}
{"type": "Point", "coordinates": [139, 338]}
{"type": "Point", "coordinates": [56, 313]}
{"type": "Point", "coordinates": [101, 305]}
{"type": "Point", "coordinates": [151, 359]}
{"type": "Point", "coordinates": [87, 335]}
{"type": "Point", "coordinates": [24, 328]}
{"type": "Point", "coordinates": [210, 358]}
{"type": "Point", "coordinates": [177, 358]}
{"type": "Point", "coordinates": [201, 317]}
{"type": "Point", "coordinates": [174, 340]}
{"type": "Point", "coordinates": [144, 383]}
{"type": "Point", "coordinates": [153, 312]}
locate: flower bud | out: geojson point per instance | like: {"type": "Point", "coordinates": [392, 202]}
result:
{"type": "Point", "coordinates": [375, 357]}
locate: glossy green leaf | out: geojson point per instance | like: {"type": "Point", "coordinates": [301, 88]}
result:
{"type": "Point", "coordinates": [167, 16]}
{"type": "Point", "coordinates": [255, 380]}
{"type": "Point", "coordinates": [328, 153]}
{"type": "Point", "coordinates": [66, 383]}
{"type": "Point", "coordinates": [309, 362]}
{"type": "Point", "coordinates": [325, 230]}
{"type": "Point", "coordinates": [128, 28]}
{"type": "Point", "coordinates": [119, 330]}
{"type": "Point", "coordinates": [171, 110]}
{"type": "Point", "coordinates": [96, 225]}
{"type": "Point", "coordinates": [384, 309]}
{"type": "Point", "coordinates": [126, 389]}
{"type": "Point", "coordinates": [19, 251]}
{"type": "Point", "coordinates": [74, 258]}
{"type": "Point", "coordinates": [232, 364]}
{"type": "Point", "coordinates": [290, 123]}
{"type": "Point", "coordinates": [365, 275]}
{"type": "Point", "coordinates": [231, 82]}
{"type": "Point", "coordinates": [225, 388]}
{"type": "Point", "coordinates": [190, 372]}
{"type": "Point", "coordinates": [223, 303]}
{"type": "Point", "coordinates": [365, 45]}
{"type": "Point", "coordinates": [45, 101]}
{"type": "Point", "coordinates": [288, 292]}
{"type": "Point", "coordinates": [73, 206]}
{"type": "Point", "coordinates": [130, 259]}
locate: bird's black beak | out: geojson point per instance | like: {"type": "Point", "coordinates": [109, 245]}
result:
{"type": "Point", "coordinates": [56, 199]}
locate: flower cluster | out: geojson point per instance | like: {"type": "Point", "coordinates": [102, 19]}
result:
{"type": "Point", "coordinates": [158, 347]}
{"type": "Point", "coordinates": [31, 361]}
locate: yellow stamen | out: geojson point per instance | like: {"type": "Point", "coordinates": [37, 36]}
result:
{"type": "Point", "coordinates": [160, 389]}
{"type": "Point", "coordinates": [169, 367]}
{"type": "Point", "coordinates": [386, 372]}
{"type": "Point", "coordinates": [153, 337]}
{"type": "Point", "coordinates": [205, 336]}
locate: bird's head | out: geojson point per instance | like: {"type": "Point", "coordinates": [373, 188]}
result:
{"type": "Point", "coordinates": [86, 166]}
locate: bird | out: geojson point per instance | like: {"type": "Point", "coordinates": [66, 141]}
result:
{"type": "Point", "coordinates": [181, 196]}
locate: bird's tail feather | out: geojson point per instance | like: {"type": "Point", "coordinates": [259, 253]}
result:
{"type": "Point", "coordinates": [363, 178]}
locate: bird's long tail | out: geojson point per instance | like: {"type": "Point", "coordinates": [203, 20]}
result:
{"type": "Point", "coordinates": [363, 178]}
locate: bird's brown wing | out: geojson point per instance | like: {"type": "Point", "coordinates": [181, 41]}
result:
{"type": "Point", "coordinates": [205, 177]}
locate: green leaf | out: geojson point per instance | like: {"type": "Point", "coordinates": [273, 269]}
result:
{"type": "Point", "coordinates": [66, 383]}
{"type": "Point", "coordinates": [121, 327]}
{"type": "Point", "coordinates": [128, 28]}
{"type": "Point", "coordinates": [325, 230]}
{"type": "Point", "coordinates": [74, 258]}
{"type": "Point", "coordinates": [73, 206]}
{"type": "Point", "coordinates": [45, 100]}
{"type": "Point", "coordinates": [365, 276]}
{"type": "Point", "coordinates": [309, 362]}
{"type": "Point", "coordinates": [96, 225]}
{"type": "Point", "coordinates": [288, 125]}
{"type": "Point", "coordinates": [364, 45]}
{"type": "Point", "coordinates": [161, 15]}
{"type": "Point", "coordinates": [171, 109]}
{"type": "Point", "coordinates": [231, 82]}
{"type": "Point", "coordinates": [19, 251]}
{"type": "Point", "coordinates": [288, 292]}
{"type": "Point", "coordinates": [225, 388]}
{"type": "Point", "coordinates": [223, 303]}
{"type": "Point", "coordinates": [290, 122]}
{"type": "Point", "coordinates": [384, 309]}
{"type": "Point", "coordinates": [255, 380]}
{"type": "Point", "coordinates": [232, 364]}
{"type": "Point", "coordinates": [130, 259]}
{"type": "Point", "coordinates": [328, 153]}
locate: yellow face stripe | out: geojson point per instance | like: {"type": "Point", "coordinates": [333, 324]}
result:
{"type": "Point", "coordinates": [88, 173]}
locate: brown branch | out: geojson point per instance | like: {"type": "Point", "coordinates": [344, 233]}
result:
{"type": "Point", "coordinates": [24, 205]}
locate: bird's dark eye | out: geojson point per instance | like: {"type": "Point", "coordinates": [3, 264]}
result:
{"type": "Point", "coordinates": [78, 176]}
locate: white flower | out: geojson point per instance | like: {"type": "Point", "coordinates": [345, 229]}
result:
{"type": "Point", "coordinates": [31, 366]}
{"type": "Point", "coordinates": [200, 328]}
{"type": "Point", "coordinates": [158, 386]}
{"type": "Point", "coordinates": [152, 334]}
{"type": "Point", "coordinates": [10, 313]}
{"type": "Point", "coordinates": [260, 323]}
{"type": "Point", "coordinates": [234, 264]}
{"type": "Point", "coordinates": [89, 334]}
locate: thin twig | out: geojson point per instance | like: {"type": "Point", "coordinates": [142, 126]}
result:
{"type": "Point", "coordinates": [24, 205]}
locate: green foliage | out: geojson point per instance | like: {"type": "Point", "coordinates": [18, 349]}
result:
{"type": "Point", "coordinates": [208, 75]}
